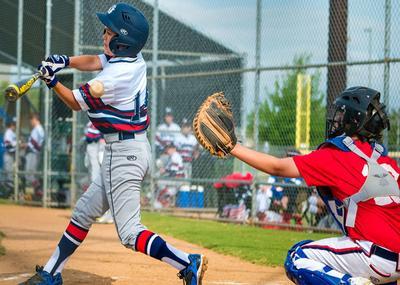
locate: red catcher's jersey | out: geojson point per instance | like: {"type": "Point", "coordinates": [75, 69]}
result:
{"type": "Point", "coordinates": [378, 219]}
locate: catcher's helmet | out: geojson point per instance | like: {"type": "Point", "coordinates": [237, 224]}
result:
{"type": "Point", "coordinates": [131, 28]}
{"type": "Point", "coordinates": [358, 112]}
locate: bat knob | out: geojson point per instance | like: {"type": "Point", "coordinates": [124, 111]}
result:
{"type": "Point", "coordinates": [11, 93]}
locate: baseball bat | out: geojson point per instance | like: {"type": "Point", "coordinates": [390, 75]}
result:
{"type": "Point", "coordinates": [15, 91]}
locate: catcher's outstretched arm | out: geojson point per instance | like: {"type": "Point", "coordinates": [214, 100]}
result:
{"type": "Point", "coordinates": [284, 167]}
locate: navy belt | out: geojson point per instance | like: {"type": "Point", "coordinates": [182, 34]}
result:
{"type": "Point", "coordinates": [125, 136]}
{"type": "Point", "coordinates": [120, 136]}
{"type": "Point", "coordinates": [384, 253]}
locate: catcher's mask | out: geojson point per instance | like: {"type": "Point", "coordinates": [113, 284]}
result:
{"type": "Point", "coordinates": [357, 111]}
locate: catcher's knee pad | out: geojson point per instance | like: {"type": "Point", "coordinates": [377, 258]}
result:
{"type": "Point", "coordinates": [298, 268]}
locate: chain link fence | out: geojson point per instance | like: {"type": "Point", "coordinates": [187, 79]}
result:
{"type": "Point", "coordinates": [280, 63]}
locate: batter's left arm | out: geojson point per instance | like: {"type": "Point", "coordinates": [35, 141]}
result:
{"type": "Point", "coordinates": [86, 62]}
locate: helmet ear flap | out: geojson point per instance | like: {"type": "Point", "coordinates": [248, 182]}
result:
{"type": "Point", "coordinates": [116, 47]}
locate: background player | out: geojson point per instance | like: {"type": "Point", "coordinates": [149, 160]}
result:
{"type": "Point", "coordinates": [360, 187]}
{"type": "Point", "coordinates": [95, 145]}
{"type": "Point", "coordinates": [116, 103]}
{"type": "Point", "coordinates": [167, 131]}
{"type": "Point", "coordinates": [94, 150]}
{"type": "Point", "coordinates": [33, 150]}
{"type": "Point", "coordinates": [187, 147]}
{"type": "Point", "coordinates": [10, 143]}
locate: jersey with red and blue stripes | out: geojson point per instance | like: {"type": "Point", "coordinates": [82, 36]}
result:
{"type": "Point", "coordinates": [123, 106]}
{"type": "Point", "coordinates": [92, 134]}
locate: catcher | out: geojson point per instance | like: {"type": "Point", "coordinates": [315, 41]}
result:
{"type": "Point", "coordinates": [356, 178]}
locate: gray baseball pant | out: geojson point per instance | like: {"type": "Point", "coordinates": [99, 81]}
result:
{"type": "Point", "coordinates": [124, 166]}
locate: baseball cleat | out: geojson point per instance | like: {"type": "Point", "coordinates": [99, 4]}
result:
{"type": "Point", "coordinates": [43, 278]}
{"type": "Point", "coordinates": [194, 273]}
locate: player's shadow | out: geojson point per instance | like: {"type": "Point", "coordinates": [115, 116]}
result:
{"type": "Point", "coordinates": [72, 276]}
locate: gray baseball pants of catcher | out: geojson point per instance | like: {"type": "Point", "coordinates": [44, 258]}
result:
{"type": "Point", "coordinates": [125, 163]}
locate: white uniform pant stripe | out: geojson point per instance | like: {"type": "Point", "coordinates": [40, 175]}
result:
{"type": "Point", "coordinates": [353, 258]}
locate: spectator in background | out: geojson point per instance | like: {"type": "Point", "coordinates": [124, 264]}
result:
{"type": "Point", "coordinates": [279, 200]}
{"type": "Point", "coordinates": [264, 198]}
{"type": "Point", "coordinates": [293, 205]}
{"type": "Point", "coordinates": [94, 150]}
{"type": "Point", "coordinates": [187, 147]}
{"type": "Point", "coordinates": [174, 165]}
{"type": "Point", "coordinates": [167, 131]}
{"type": "Point", "coordinates": [95, 145]}
{"type": "Point", "coordinates": [291, 194]}
{"type": "Point", "coordinates": [10, 143]}
{"type": "Point", "coordinates": [315, 208]}
{"type": "Point", "coordinates": [173, 168]}
{"type": "Point", "coordinates": [263, 201]}
{"type": "Point", "coordinates": [33, 151]}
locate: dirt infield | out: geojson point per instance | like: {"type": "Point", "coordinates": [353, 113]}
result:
{"type": "Point", "coordinates": [32, 234]}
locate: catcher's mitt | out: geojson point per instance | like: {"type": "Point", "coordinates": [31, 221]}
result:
{"type": "Point", "coordinates": [213, 125]}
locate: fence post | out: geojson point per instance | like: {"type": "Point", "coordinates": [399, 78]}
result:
{"type": "Point", "coordinates": [154, 101]}
{"type": "Point", "coordinates": [76, 80]}
{"type": "Point", "coordinates": [256, 95]}
{"type": "Point", "coordinates": [18, 105]}
{"type": "Point", "coordinates": [47, 126]}
{"type": "Point", "coordinates": [386, 69]}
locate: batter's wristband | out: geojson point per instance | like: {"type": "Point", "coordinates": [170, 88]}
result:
{"type": "Point", "coordinates": [52, 83]}
{"type": "Point", "coordinates": [66, 60]}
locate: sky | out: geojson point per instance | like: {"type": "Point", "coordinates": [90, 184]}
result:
{"type": "Point", "coordinates": [294, 27]}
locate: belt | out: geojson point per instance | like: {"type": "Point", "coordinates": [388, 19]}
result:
{"type": "Point", "coordinates": [120, 136]}
{"type": "Point", "coordinates": [384, 253]}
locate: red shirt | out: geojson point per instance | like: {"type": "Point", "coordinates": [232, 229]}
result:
{"type": "Point", "coordinates": [342, 172]}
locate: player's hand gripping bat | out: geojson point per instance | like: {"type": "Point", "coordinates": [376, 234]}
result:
{"type": "Point", "coordinates": [15, 91]}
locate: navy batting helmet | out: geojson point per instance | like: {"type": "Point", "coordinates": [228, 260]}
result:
{"type": "Point", "coordinates": [131, 28]}
{"type": "Point", "coordinates": [358, 112]}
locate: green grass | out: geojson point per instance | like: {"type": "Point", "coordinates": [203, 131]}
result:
{"type": "Point", "coordinates": [2, 249]}
{"type": "Point", "coordinates": [6, 201]}
{"type": "Point", "coordinates": [254, 244]}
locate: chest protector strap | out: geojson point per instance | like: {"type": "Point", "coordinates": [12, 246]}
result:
{"type": "Point", "coordinates": [379, 183]}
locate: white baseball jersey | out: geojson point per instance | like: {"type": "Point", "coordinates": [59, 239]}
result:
{"type": "Point", "coordinates": [167, 134]}
{"type": "Point", "coordinates": [186, 146]}
{"type": "Point", "coordinates": [36, 139]}
{"type": "Point", "coordinates": [10, 140]}
{"type": "Point", "coordinates": [123, 106]}
{"type": "Point", "coordinates": [174, 166]}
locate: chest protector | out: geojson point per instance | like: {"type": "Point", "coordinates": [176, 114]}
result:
{"type": "Point", "coordinates": [379, 182]}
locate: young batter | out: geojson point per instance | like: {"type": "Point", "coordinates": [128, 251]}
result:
{"type": "Point", "coordinates": [116, 102]}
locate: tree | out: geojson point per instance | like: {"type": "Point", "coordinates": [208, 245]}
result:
{"type": "Point", "coordinates": [277, 114]}
{"type": "Point", "coordinates": [394, 132]}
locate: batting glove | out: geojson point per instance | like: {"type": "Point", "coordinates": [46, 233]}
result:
{"type": "Point", "coordinates": [56, 62]}
{"type": "Point", "coordinates": [48, 75]}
